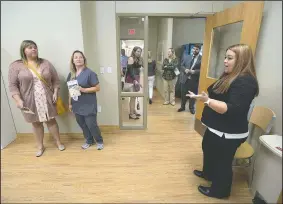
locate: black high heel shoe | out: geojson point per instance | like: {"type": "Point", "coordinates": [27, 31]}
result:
{"type": "Point", "coordinates": [131, 117]}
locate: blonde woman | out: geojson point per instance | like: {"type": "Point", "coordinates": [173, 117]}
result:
{"type": "Point", "coordinates": [169, 67]}
{"type": "Point", "coordinates": [225, 115]}
{"type": "Point", "coordinates": [29, 92]}
{"type": "Point", "coordinates": [85, 106]}
{"type": "Point", "coordinates": [151, 76]}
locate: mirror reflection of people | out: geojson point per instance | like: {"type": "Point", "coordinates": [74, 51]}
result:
{"type": "Point", "coordinates": [124, 62]}
{"type": "Point", "coordinates": [169, 77]}
{"type": "Point", "coordinates": [30, 92]}
{"type": "Point", "coordinates": [85, 106]}
{"type": "Point", "coordinates": [192, 73]}
{"type": "Point", "coordinates": [151, 76]}
{"type": "Point", "coordinates": [133, 76]}
{"type": "Point", "coordinates": [225, 116]}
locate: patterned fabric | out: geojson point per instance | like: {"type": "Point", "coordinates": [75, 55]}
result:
{"type": "Point", "coordinates": [21, 83]}
{"type": "Point", "coordinates": [40, 99]}
{"type": "Point", "coordinates": [169, 68]}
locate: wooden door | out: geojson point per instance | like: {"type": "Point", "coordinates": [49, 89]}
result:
{"type": "Point", "coordinates": [239, 24]}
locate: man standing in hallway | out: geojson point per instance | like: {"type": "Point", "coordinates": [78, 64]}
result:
{"type": "Point", "coordinates": [124, 62]}
{"type": "Point", "coordinates": [190, 78]}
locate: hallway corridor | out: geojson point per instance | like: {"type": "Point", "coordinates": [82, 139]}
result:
{"type": "Point", "coordinates": [153, 165]}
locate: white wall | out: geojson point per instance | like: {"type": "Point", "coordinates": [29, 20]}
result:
{"type": "Point", "coordinates": [131, 23]}
{"type": "Point", "coordinates": [107, 57]}
{"type": "Point", "coordinates": [88, 9]}
{"type": "Point", "coordinates": [165, 7]}
{"type": "Point", "coordinates": [187, 31]}
{"type": "Point", "coordinates": [59, 34]}
{"type": "Point", "coordinates": [269, 61]}
{"type": "Point", "coordinates": [152, 36]}
{"type": "Point", "coordinates": [152, 33]}
{"type": "Point", "coordinates": [56, 28]}
{"type": "Point", "coordinates": [8, 129]}
{"type": "Point", "coordinates": [165, 33]}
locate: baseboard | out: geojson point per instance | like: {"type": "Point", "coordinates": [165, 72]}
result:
{"type": "Point", "coordinates": [103, 129]}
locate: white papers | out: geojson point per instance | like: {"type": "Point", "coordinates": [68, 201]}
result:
{"type": "Point", "coordinates": [27, 110]}
{"type": "Point", "coordinates": [177, 72]}
{"type": "Point", "coordinates": [74, 89]}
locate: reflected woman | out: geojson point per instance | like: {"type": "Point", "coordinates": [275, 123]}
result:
{"type": "Point", "coordinates": [133, 77]}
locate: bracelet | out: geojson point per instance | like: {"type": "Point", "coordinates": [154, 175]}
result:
{"type": "Point", "coordinates": [207, 102]}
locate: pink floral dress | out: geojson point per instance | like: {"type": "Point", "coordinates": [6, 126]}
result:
{"type": "Point", "coordinates": [40, 98]}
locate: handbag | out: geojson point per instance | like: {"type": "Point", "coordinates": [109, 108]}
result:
{"type": "Point", "coordinates": [60, 107]}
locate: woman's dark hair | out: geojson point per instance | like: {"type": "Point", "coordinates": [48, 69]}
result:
{"type": "Point", "coordinates": [133, 54]}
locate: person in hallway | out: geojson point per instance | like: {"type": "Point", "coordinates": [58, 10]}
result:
{"type": "Point", "coordinates": [29, 91]}
{"type": "Point", "coordinates": [124, 62]}
{"type": "Point", "coordinates": [133, 77]}
{"type": "Point", "coordinates": [191, 84]}
{"type": "Point", "coordinates": [225, 116]}
{"type": "Point", "coordinates": [185, 64]}
{"type": "Point", "coordinates": [85, 106]}
{"type": "Point", "coordinates": [151, 76]}
{"type": "Point", "coordinates": [169, 67]}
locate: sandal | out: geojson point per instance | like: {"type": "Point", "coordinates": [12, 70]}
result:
{"type": "Point", "coordinates": [61, 147]}
{"type": "Point", "coordinates": [40, 152]}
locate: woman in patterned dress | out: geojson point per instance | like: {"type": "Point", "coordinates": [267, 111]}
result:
{"type": "Point", "coordinates": [29, 91]}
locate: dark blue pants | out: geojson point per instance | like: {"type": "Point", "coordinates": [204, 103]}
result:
{"type": "Point", "coordinates": [90, 128]}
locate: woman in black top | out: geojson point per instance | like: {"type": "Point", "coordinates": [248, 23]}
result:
{"type": "Point", "coordinates": [225, 116]}
{"type": "Point", "coordinates": [133, 76]}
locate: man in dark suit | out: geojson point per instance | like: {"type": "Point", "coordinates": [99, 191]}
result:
{"type": "Point", "coordinates": [190, 78]}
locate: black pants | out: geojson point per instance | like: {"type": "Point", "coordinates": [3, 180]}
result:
{"type": "Point", "coordinates": [218, 155]}
{"type": "Point", "coordinates": [124, 73]}
{"type": "Point", "coordinates": [90, 128]}
{"type": "Point", "coordinates": [185, 87]}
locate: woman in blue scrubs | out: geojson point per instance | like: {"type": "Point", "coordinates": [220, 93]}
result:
{"type": "Point", "coordinates": [85, 106]}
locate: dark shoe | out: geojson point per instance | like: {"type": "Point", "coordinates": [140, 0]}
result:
{"type": "Point", "coordinates": [207, 191]}
{"type": "Point", "coordinates": [137, 114]}
{"type": "Point", "coordinates": [150, 101]}
{"type": "Point", "coordinates": [192, 111]}
{"type": "Point", "coordinates": [181, 109]}
{"type": "Point", "coordinates": [200, 174]}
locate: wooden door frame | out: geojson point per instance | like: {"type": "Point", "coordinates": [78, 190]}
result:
{"type": "Point", "coordinates": [237, 13]}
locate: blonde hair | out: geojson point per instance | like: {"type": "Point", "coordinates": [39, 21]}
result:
{"type": "Point", "coordinates": [244, 64]}
{"type": "Point", "coordinates": [173, 53]}
{"type": "Point", "coordinates": [73, 68]}
{"type": "Point", "coordinates": [24, 45]}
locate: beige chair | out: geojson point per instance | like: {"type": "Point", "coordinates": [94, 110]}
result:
{"type": "Point", "coordinates": [262, 119]}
